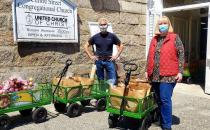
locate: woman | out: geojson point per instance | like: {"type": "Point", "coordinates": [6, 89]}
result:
{"type": "Point", "coordinates": [164, 68]}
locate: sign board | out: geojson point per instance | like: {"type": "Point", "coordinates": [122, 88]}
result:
{"type": "Point", "coordinates": [45, 21]}
{"type": "Point", "coordinates": [94, 29]}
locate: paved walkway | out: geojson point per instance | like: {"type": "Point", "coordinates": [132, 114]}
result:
{"type": "Point", "coordinates": [191, 111]}
{"type": "Point", "coordinates": [191, 90]}
{"type": "Point", "coordinates": [191, 108]}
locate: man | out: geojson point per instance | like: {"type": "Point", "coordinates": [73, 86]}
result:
{"type": "Point", "coordinates": [102, 57]}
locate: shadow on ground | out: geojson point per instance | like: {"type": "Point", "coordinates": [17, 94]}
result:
{"type": "Point", "coordinates": [134, 124]}
{"type": "Point", "coordinates": [175, 120]}
{"type": "Point", "coordinates": [19, 120]}
{"type": "Point", "coordinates": [129, 123]}
{"type": "Point", "coordinates": [88, 109]}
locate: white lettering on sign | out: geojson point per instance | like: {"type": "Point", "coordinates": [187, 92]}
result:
{"type": "Point", "coordinates": [45, 20]}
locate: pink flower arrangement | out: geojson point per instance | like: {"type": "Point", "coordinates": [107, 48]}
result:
{"type": "Point", "coordinates": [15, 84]}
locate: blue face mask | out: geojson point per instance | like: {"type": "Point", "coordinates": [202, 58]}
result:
{"type": "Point", "coordinates": [163, 28]}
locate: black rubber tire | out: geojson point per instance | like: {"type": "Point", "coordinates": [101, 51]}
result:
{"type": "Point", "coordinates": [145, 123]}
{"type": "Point", "coordinates": [39, 115]}
{"type": "Point", "coordinates": [85, 102]}
{"type": "Point", "coordinates": [112, 120]}
{"type": "Point", "coordinates": [60, 107]}
{"type": "Point", "coordinates": [74, 110]}
{"type": "Point", "coordinates": [156, 115]}
{"type": "Point", "coordinates": [4, 122]}
{"type": "Point", "coordinates": [26, 112]}
{"type": "Point", "coordinates": [101, 104]}
{"type": "Point", "coordinates": [189, 80]}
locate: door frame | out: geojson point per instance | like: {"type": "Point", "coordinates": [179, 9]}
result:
{"type": "Point", "coordinates": [192, 7]}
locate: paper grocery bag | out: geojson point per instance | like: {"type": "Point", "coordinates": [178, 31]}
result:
{"type": "Point", "coordinates": [74, 92]}
{"type": "Point", "coordinates": [137, 94]}
{"type": "Point", "coordinates": [86, 91]}
{"type": "Point", "coordinates": [140, 86]}
{"type": "Point", "coordinates": [146, 86]}
{"type": "Point", "coordinates": [133, 85]}
{"type": "Point", "coordinates": [55, 81]}
{"type": "Point", "coordinates": [132, 106]}
{"type": "Point", "coordinates": [84, 81]}
{"type": "Point", "coordinates": [116, 101]}
{"type": "Point", "coordinates": [70, 83]}
{"type": "Point", "coordinates": [117, 91]}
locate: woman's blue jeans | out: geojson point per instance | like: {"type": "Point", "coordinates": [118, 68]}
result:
{"type": "Point", "coordinates": [109, 68]}
{"type": "Point", "coordinates": [164, 93]}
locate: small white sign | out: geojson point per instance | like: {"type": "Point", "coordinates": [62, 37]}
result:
{"type": "Point", "coordinates": [94, 29]}
{"type": "Point", "coordinates": [45, 21]}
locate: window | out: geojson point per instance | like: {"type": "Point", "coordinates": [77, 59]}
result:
{"type": "Point", "coordinates": [174, 3]}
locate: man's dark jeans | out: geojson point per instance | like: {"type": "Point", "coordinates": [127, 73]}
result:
{"type": "Point", "coordinates": [109, 67]}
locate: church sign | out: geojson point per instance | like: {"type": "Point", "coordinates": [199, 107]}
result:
{"type": "Point", "coordinates": [45, 21]}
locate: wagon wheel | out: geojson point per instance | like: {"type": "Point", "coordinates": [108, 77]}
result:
{"type": "Point", "coordinates": [101, 104]}
{"type": "Point", "coordinates": [145, 123]}
{"type": "Point", "coordinates": [39, 115]}
{"type": "Point", "coordinates": [26, 112]}
{"type": "Point", "coordinates": [189, 80]}
{"type": "Point", "coordinates": [113, 120]}
{"type": "Point", "coordinates": [4, 122]}
{"type": "Point", "coordinates": [85, 102]}
{"type": "Point", "coordinates": [74, 110]}
{"type": "Point", "coordinates": [156, 115]}
{"type": "Point", "coordinates": [59, 106]}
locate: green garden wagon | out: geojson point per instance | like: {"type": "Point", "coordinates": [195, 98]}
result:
{"type": "Point", "coordinates": [72, 99]}
{"type": "Point", "coordinates": [146, 108]}
{"type": "Point", "coordinates": [25, 101]}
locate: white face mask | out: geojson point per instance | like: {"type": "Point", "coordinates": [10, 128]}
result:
{"type": "Point", "coordinates": [103, 28]}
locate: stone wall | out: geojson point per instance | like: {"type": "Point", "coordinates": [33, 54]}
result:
{"type": "Point", "coordinates": [44, 60]}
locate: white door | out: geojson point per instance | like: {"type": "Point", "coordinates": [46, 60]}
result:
{"type": "Point", "coordinates": [207, 80]}
{"type": "Point", "coordinates": [181, 27]}
{"type": "Point", "coordinates": [188, 29]}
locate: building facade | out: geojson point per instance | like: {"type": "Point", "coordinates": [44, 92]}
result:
{"type": "Point", "coordinates": [132, 20]}
{"type": "Point", "coordinates": [42, 61]}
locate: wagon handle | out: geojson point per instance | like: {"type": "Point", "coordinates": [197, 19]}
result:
{"type": "Point", "coordinates": [68, 62]}
{"type": "Point", "coordinates": [63, 72]}
{"type": "Point", "coordinates": [129, 67]}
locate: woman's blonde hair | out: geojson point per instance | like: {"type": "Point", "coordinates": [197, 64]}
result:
{"type": "Point", "coordinates": [157, 32]}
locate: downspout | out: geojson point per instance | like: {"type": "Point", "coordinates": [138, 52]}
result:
{"type": "Point", "coordinates": [154, 11]}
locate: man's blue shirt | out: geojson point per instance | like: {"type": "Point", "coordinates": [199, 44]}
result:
{"type": "Point", "coordinates": [104, 43]}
